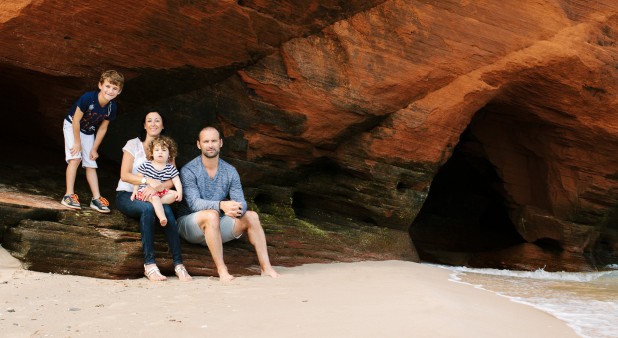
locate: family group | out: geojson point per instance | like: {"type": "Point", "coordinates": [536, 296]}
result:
{"type": "Point", "coordinates": [212, 210]}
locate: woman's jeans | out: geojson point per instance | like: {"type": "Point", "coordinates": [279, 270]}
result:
{"type": "Point", "coordinates": [148, 222]}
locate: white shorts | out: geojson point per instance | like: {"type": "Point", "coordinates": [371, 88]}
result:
{"type": "Point", "coordinates": [87, 142]}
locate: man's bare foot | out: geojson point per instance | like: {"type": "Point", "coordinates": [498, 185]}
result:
{"type": "Point", "coordinates": [151, 271]}
{"type": "Point", "coordinates": [225, 276]}
{"type": "Point", "coordinates": [270, 272]}
{"type": "Point", "coordinates": [163, 221]}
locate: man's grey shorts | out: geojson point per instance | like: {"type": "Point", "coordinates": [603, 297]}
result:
{"type": "Point", "coordinates": [192, 233]}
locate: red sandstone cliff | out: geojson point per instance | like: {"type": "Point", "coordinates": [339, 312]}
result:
{"type": "Point", "coordinates": [351, 108]}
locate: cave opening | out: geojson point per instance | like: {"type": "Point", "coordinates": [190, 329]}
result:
{"type": "Point", "coordinates": [466, 211]}
{"type": "Point", "coordinates": [29, 126]}
{"type": "Point", "coordinates": [20, 127]}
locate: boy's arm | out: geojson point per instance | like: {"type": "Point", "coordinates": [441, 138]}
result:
{"type": "Point", "coordinates": [98, 139]}
{"type": "Point", "coordinates": [178, 186]}
{"type": "Point", "coordinates": [77, 145]}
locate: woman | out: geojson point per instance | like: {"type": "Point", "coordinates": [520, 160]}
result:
{"type": "Point", "coordinates": [134, 154]}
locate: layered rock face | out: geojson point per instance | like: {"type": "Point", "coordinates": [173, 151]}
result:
{"type": "Point", "coordinates": [486, 130]}
{"type": "Point", "coordinates": [47, 237]}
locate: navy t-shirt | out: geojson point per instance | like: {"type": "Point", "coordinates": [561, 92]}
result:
{"type": "Point", "coordinates": [94, 114]}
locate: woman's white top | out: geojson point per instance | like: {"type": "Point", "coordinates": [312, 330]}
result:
{"type": "Point", "coordinates": [134, 147]}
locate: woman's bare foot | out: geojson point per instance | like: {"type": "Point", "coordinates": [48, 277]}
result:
{"type": "Point", "coordinates": [151, 271]}
{"type": "Point", "coordinates": [163, 221]}
{"type": "Point", "coordinates": [270, 272]}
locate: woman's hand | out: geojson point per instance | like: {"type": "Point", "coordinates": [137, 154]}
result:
{"type": "Point", "coordinates": [147, 192]}
{"type": "Point", "coordinates": [155, 184]}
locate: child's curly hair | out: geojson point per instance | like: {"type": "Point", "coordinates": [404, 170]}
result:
{"type": "Point", "coordinates": [164, 142]}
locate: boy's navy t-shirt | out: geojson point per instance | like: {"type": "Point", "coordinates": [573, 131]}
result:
{"type": "Point", "coordinates": [94, 114]}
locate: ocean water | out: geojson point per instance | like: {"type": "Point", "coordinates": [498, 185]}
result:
{"type": "Point", "coordinates": [586, 301]}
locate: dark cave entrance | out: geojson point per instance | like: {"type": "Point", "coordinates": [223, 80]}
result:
{"type": "Point", "coordinates": [32, 136]}
{"type": "Point", "coordinates": [20, 128]}
{"type": "Point", "coordinates": [465, 211]}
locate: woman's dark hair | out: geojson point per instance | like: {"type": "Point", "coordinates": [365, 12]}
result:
{"type": "Point", "coordinates": [142, 135]}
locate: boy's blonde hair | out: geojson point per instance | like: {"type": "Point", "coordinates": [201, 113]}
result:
{"type": "Point", "coordinates": [164, 142]}
{"type": "Point", "coordinates": [113, 77]}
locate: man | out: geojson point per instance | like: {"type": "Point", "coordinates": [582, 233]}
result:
{"type": "Point", "coordinates": [214, 209]}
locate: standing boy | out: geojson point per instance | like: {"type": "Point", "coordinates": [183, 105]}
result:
{"type": "Point", "coordinates": [84, 128]}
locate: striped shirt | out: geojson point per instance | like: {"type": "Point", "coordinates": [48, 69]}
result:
{"type": "Point", "coordinates": [148, 170]}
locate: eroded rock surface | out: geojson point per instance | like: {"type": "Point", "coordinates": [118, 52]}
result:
{"type": "Point", "coordinates": [52, 238]}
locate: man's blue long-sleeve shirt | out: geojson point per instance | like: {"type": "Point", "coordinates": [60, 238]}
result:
{"type": "Point", "coordinates": [200, 192]}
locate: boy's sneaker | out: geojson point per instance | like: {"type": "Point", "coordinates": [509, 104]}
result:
{"type": "Point", "coordinates": [100, 204]}
{"type": "Point", "coordinates": [71, 201]}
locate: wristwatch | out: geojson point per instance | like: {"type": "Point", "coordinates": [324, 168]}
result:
{"type": "Point", "coordinates": [143, 181]}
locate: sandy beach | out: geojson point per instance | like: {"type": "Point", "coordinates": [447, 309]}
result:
{"type": "Point", "coordinates": [365, 299]}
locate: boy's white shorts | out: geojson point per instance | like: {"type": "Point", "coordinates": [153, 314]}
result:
{"type": "Point", "coordinates": [87, 142]}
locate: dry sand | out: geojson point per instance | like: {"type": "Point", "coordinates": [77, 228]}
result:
{"type": "Point", "coordinates": [366, 299]}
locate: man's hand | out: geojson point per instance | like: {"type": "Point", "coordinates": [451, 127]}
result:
{"type": "Point", "coordinates": [231, 208]}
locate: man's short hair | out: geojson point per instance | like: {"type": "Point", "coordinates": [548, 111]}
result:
{"type": "Point", "coordinates": [208, 126]}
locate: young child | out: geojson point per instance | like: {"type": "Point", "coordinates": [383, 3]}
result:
{"type": "Point", "coordinates": [84, 129]}
{"type": "Point", "coordinates": [160, 154]}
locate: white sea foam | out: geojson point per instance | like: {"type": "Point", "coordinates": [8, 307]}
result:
{"type": "Point", "coordinates": [538, 274]}
{"type": "Point", "coordinates": [586, 301]}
